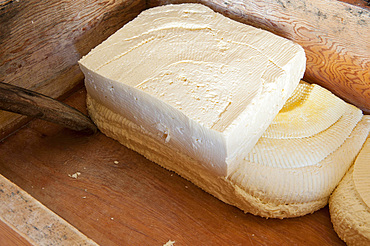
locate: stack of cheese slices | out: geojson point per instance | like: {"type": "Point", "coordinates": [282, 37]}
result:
{"type": "Point", "coordinates": [221, 103]}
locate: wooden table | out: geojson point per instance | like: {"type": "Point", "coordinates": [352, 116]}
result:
{"type": "Point", "coordinates": [116, 197]}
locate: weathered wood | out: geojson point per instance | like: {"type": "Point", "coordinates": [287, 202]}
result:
{"type": "Point", "coordinates": [41, 42]}
{"type": "Point", "coordinates": [10, 237]}
{"type": "Point", "coordinates": [33, 221]}
{"type": "Point", "coordinates": [335, 35]}
{"type": "Point", "coordinates": [117, 197]}
{"type": "Point", "coordinates": [18, 100]}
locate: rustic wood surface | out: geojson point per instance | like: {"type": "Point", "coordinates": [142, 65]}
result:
{"type": "Point", "coordinates": [335, 36]}
{"type": "Point", "coordinates": [41, 42]}
{"type": "Point", "coordinates": [117, 197]}
{"type": "Point", "coordinates": [30, 221]}
{"type": "Point", "coordinates": [9, 237]}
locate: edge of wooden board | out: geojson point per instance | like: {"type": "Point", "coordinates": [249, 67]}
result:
{"type": "Point", "coordinates": [33, 221]}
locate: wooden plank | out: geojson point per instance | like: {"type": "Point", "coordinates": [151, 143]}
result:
{"type": "Point", "coordinates": [41, 42]}
{"type": "Point", "coordinates": [335, 35]}
{"type": "Point", "coordinates": [117, 197]}
{"type": "Point", "coordinates": [10, 237]}
{"type": "Point", "coordinates": [32, 221]}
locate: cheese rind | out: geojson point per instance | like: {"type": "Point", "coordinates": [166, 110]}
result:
{"type": "Point", "coordinates": [207, 85]}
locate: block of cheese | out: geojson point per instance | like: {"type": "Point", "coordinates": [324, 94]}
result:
{"type": "Point", "coordinates": [194, 92]}
{"type": "Point", "coordinates": [196, 83]}
{"type": "Point", "coordinates": [349, 204]}
{"type": "Point", "coordinates": [302, 156]}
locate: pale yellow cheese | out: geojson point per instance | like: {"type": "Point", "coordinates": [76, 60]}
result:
{"type": "Point", "coordinates": [194, 92]}
{"type": "Point", "coordinates": [361, 174]}
{"type": "Point", "coordinates": [349, 205]}
{"type": "Point", "coordinates": [200, 82]}
{"type": "Point", "coordinates": [291, 164]}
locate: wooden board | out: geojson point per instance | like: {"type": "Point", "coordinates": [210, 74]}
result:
{"type": "Point", "coordinates": [117, 197]}
{"type": "Point", "coordinates": [10, 237]}
{"type": "Point", "coordinates": [24, 220]}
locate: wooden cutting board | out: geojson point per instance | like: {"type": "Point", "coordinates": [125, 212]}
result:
{"type": "Point", "coordinates": [116, 197]}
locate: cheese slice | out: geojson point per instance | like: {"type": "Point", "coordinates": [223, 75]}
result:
{"type": "Point", "coordinates": [291, 167]}
{"type": "Point", "coordinates": [200, 82]}
{"type": "Point", "coordinates": [349, 204]}
{"type": "Point", "coordinates": [308, 112]}
{"type": "Point", "coordinates": [361, 174]}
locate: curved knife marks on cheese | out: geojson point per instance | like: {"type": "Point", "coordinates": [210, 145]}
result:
{"type": "Point", "coordinates": [26, 102]}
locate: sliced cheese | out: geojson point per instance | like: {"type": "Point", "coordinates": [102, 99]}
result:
{"type": "Point", "coordinates": [361, 174]}
{"type": "Point", "coordinates": [349, 204]}
{"type": "Point", "coordinates": [308, 112]}
{"type": "Point", "coordinates": [290, 166]}
{"type": "Point", "coordinates": [202, 83]}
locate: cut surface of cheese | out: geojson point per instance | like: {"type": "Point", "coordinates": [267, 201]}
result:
{"type": "Point", "coordinates": [349, 205]}
{"type": "Point", "coordinates": [202, 83]}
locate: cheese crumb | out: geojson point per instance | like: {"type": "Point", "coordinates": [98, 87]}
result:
{"type": "Point", "coordinates": [75, 175]}
{"type": "Point", "coordinates": [169, 243]}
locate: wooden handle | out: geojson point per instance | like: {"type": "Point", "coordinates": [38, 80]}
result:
{"type": "Point", "coordinates": [18, 100]}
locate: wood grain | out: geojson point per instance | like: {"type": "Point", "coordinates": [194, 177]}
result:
{"type": "Point", "coordinates": [117, 197]}
{"type": "Point", "coordinates": [335, 36]}
{"type": "Point", "coordinates": [9, 237]}
{"type": "Point", "coordinates": [41, 42]}
{"type": "Point", "coordinates": [33, 221]}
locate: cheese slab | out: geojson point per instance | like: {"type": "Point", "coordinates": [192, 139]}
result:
{"type": "Point", "coordinates": [349, 204]}
{"type": "Point", "coordinates": [203, 85]}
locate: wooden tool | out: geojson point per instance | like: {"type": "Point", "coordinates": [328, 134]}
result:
{"type": "Point", "coordinates": [22, 101]}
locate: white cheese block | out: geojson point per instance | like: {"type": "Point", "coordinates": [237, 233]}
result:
{"type": "Point", "coordinates": [194, 91]}
{"type": "Point", "coordinates": [198, 82]}
{"type": "Point", "coordinates": [292, 166]}
{"type": "Point", "coordinates": [350, 202]}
